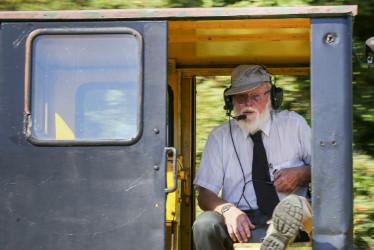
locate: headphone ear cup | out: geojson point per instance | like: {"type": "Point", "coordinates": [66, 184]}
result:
{"type": "Point", "coordinates": [228, 101]}
{"type": "Point", "coordinates": [276, 97]}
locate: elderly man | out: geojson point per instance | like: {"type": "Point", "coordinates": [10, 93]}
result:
{"type": "Point", "coordinates": [260, 162]}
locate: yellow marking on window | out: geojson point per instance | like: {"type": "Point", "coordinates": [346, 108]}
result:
{"type": "Point", "coordinates": [63, 132]}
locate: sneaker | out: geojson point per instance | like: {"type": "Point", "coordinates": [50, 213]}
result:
{"type": "Point", "coordinates": [287, 221]}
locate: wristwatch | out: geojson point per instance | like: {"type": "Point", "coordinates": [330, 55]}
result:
{"type": "Point", "coordinates": [225, 208]}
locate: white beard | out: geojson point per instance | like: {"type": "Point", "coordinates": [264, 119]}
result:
{"type": "Point", "coordinates": [251, 127]}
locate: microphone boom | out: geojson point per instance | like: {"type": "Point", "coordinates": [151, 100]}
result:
{"type": "Point", "coordinates": [239, 117]}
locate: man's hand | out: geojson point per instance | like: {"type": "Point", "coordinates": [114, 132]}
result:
{"type": "Point", "coordinates": [238, 225]}
{"type": "Point", "coordinates": [287, 179]}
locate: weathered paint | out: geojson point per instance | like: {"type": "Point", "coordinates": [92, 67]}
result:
{"type": "Point", "coordinates": [86, 197]}
{"type": "Point", "coordinates": [331, 97]}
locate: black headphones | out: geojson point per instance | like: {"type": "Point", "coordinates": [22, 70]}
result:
{"type": "Point", "coordinates": [276, 97]}
{"type": "Point", "coordinates": [229, 106]}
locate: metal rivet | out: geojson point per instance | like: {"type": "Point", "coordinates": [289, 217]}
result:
{"type": "Point", "coordinates": [333, 143]}
{"type": "Point", "coordinates": [156, 168]}
{"type": "Point", "coordinates": [322, 143]}
{"type": "Point", "coordinates": [156, 130]}
{"type": "Point", "coordinates": [330, 38]}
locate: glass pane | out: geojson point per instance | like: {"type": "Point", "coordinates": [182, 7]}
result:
{"type": "Point", "coordinates": [116, 110]}
{"type": "Point", "coordinates": [85, 87]}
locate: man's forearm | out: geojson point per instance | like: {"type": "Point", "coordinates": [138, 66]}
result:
{"type": "Point", "coordinates": [306, 176]}
{"type": "Point", "coordinates": [209, 201]}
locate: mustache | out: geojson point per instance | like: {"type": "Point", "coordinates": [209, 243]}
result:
{"type": "Point", "coordinates": [249, 109]}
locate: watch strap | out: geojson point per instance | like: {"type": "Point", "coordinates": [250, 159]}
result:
{"type": "Point", "coordinates": [225, 208]}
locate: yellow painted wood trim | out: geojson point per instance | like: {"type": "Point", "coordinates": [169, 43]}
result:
{"type": "Point", "coordinates": [242, 38]}
{"type": "Point", "coordinates": [242, 24]}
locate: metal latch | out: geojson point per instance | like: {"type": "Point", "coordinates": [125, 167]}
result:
{"type": "Point", "coordinates": [174, 165]}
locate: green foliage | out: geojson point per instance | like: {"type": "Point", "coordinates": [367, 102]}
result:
{"type": "Point", "coordinates": [184, 3]}
{"type": "Point", "coordinates": [78, 4]}
{"type": "Point", "coordinates": [253, 3]}
{"type": "Point", "coordinates": [42, 4]}
{"type": "Point", "coordinates": [363, 112]}
{"type": "Point", "coordinates": [210, 112]}
{"type": "Point", "coordinates": [120, 4]}
{"type": "Point", "coordinates": [363, 175]}
{"type": "Point", "coordinates": [296, 91]}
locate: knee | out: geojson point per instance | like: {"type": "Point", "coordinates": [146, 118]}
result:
{"type": "Point", "coordinates": [207, 223]}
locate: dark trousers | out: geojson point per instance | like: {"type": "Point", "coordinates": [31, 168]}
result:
{"type": "Point", "coordinates": [210, 231]}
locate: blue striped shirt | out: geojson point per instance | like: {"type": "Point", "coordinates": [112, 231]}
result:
{"type": "Point", "coordinates": [286, 137]}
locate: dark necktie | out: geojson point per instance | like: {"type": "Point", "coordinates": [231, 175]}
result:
{"type": "Point", "coordinates": [267, 197]}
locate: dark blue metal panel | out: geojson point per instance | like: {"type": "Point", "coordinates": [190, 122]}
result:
{"type": "Point", "coordinates": [94, 197]}
{"type": "Point", "coordinates": [331, 78]}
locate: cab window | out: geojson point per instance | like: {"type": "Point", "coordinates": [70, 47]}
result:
{"type": "Point", "coordinates": [84, 87]}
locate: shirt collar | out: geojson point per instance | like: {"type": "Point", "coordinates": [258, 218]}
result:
{"type": "Point", "coordinates": [266, 127]}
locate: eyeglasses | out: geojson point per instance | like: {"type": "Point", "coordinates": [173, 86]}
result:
{"type": "Point", "coordinates": [243, 98]}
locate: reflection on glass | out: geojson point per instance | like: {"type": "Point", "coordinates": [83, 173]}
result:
{"type": "Point", "coordinates": [85, 87]}
{"type": "Point", "coordinates": [115, 110]}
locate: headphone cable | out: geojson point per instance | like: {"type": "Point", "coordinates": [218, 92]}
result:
{"type": "Point", "coordinates": [241, 168]}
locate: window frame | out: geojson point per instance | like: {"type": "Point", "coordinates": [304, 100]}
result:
{"type": "Point", "coordinates": [28, 86]}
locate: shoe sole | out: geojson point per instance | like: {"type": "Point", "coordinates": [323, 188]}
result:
{"type": "Point", "coordinates": [274, 241]}
{"type": "Point", "coordinates": [287, 217]}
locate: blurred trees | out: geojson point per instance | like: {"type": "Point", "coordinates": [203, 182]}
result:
{"type": "Point", "coordinates": [78, 4]}
{"type": "Point", "coordinates": [184, 3]}
{"type": "Point", "coordinates": [42, 4]}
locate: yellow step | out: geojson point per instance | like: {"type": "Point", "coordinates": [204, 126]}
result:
{"type": "Point", "coordinates": [256, 246]}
